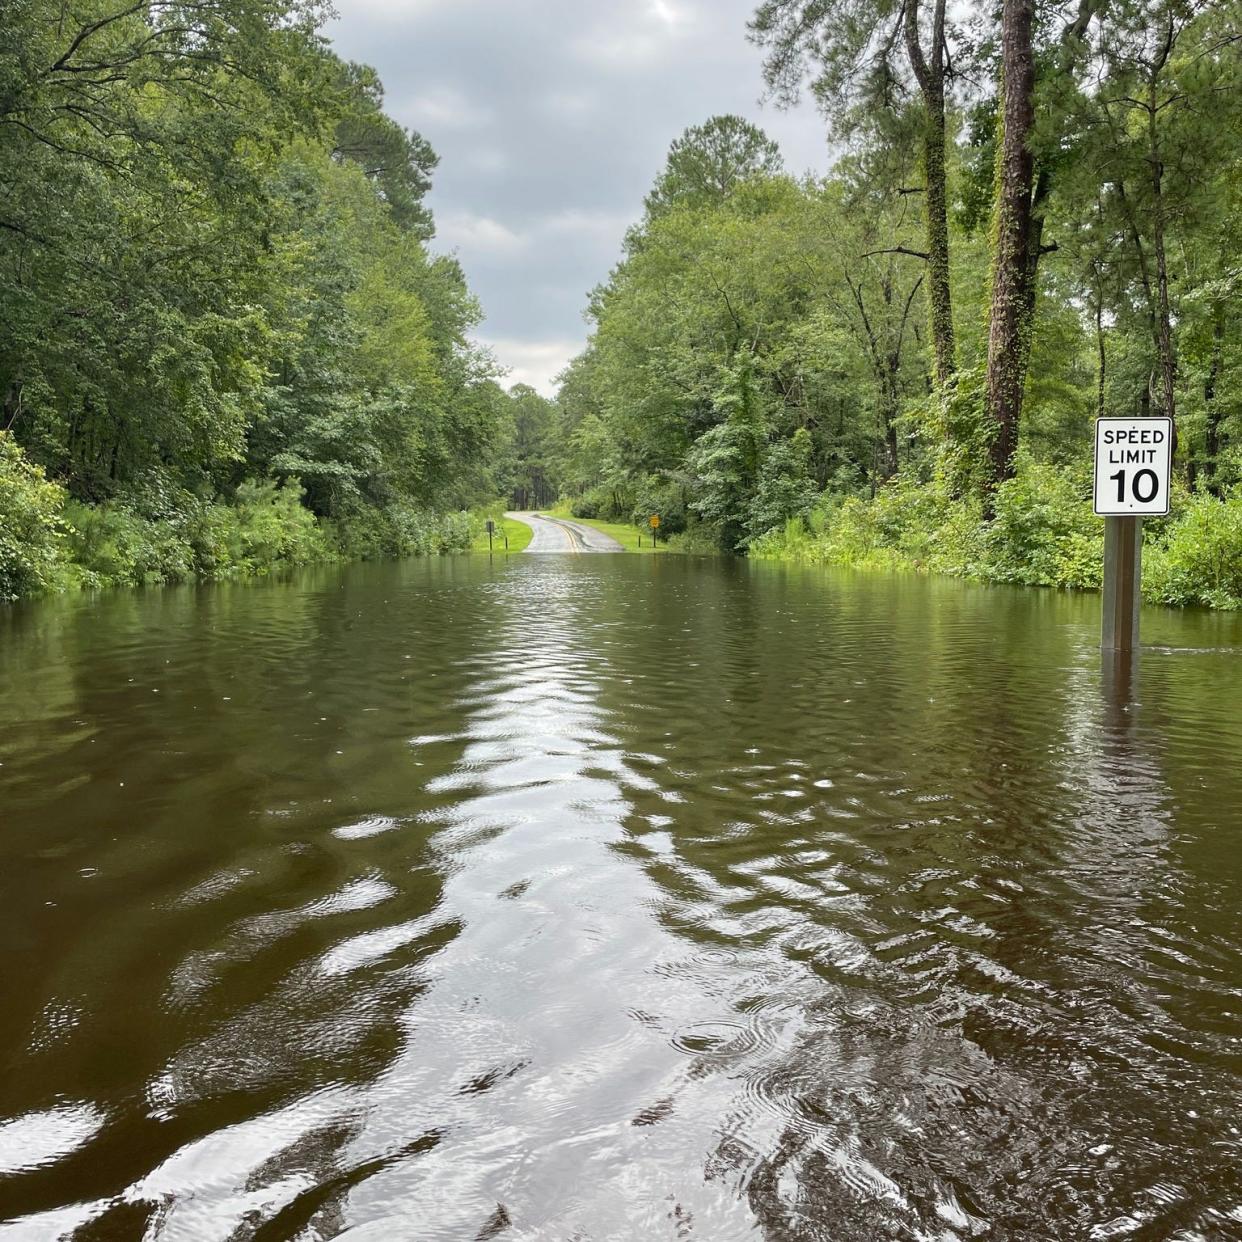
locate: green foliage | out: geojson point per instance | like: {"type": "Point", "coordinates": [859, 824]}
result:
{"type": "Point", "coordinates": [398, 530]}
{"type": "Point", "coordinates": [31, 525]}
{"type": "Point", "coordinates": [593, 504]}
{"type": "Point", "coordinates": [1044, 532]}
{"type": "Point", "coordinates": [665, 499]}
{"type": "Point", "coordinates": [265, 528]}
{"type": "Point", "coordinates": [785, 490]}
{"type": "Point", "coordinates": [1199, 560]}
{"type": "Point", "coordinates": [957, 424]}
{"type": "Point", "coordinates": [725, 460]}
{"type": "Point", "coordinates": [113, 546]}
{"type": "Point", "coordinates": [219, 316]}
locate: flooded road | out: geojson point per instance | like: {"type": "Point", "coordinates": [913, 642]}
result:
{"type": "Point", "coordinates": [617, 898]}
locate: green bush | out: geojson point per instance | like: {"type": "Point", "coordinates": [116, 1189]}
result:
{"type": "Point", "coordinates": [1199, 560]}
{"type": "Point", "coordinates": [113, 546]}
{"type": "Point", "coordinates": [265, 527]}
{"type": "Point", "coordinates": [31, 526]}
{"type": "Point", "coordinates": [587, 505]}
{"type": "Point", "coordinates": [905, 524]}
{"type": "Point", "coordinates": [1044, 532]}
{"type": "Point", "coordinates": [274, 528]}
{"type": "Point", "coordinates": [400, 530]}
{"type": "Point", "coordinates": [161, 534]}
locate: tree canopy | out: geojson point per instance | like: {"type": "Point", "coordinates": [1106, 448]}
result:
{"type": "Point", "coordinates": [215, 270]}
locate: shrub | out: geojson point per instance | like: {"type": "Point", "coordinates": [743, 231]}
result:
{"type": "Point", "coordinates": [113, 546]}
{"type": "Point", "coordinates": [31, 525]}
{"type": "Point", "coordinates": [275, 528]}
{"type": "Point", "coordinates": [586, 506]}
{"type": "Point", "coordinates": [401, 530]}
{"type": "Point", "coordinates": [1044, 532]}
{"type": "Point", "coordinates": [266, 526]}
{"type": "Point", "coordinates": [604, 503]}
{"type": "Point", "coordinates": [1199, 560]}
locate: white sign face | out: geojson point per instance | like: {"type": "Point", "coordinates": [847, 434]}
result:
{"type": "Point", "coordinates": [1133, 457]}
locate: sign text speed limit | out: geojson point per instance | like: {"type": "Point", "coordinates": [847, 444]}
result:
{"type": "Point", "coordinates": [1132, 461]}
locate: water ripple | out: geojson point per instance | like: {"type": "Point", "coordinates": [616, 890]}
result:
{"type": "Point", "coordinates": [650, 899]}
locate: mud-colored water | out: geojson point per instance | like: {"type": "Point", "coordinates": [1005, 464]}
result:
{"type": "Point", "coordinates": [617, 898]}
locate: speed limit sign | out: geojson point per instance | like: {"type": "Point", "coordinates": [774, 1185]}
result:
{"type": "Point", "coordinates": [1133, 457]}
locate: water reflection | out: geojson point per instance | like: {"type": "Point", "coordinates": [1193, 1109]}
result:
{"type": "Point", "coordinates": [652, 898]}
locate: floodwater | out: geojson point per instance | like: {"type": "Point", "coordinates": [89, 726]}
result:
{"type": "Point", "coordinates": [617, 898]}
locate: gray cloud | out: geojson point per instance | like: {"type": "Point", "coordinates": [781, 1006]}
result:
{"type": "Point", "coordinates": [552, 119]}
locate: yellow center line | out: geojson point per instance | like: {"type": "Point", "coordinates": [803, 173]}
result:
{"type": "Point", "coordinates": [575, 539]}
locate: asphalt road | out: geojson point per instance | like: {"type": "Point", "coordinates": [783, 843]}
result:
{"type": "Point", "coordinates": [562, 535]}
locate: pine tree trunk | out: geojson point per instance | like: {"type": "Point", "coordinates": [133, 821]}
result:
{"type": "Point", "coordinates": [1212, 406]}
{"type": "Point", "coordinates": [1013, 271]}
{"type": "Point", "coordinates": [1164, 318]}
{"type": "Point", "coordinates": [1101, 349]}
{"type": "Point", "coordinates": [930, 75]}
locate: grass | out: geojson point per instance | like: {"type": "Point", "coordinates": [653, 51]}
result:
{"type": "Point", "coordinates": [624, 533]}
{"type": "Point", "coordinates": [518, 532]}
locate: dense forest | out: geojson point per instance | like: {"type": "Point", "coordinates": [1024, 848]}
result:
{"type": "Point", "coordinates": [224, 341]}
{"type": "Point", "coordinates": [1035, 217]}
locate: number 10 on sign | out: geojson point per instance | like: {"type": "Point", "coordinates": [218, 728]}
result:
{"type": "Point", "coordinates": [1132, 463]}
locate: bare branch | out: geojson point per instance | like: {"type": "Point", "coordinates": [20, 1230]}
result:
{"type": "Point", "coordinates": [914, 254]}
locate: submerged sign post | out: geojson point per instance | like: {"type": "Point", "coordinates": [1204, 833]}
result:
{"type": "Point", "coordinates": [1133, 460]}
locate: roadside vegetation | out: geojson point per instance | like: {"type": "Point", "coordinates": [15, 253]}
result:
{"type": "Point", "coordinates": [1036, 218]}
{"type": "Point", "coordinates": [518, 533]}
{"type": "Point", "coordinates": [227, 343]}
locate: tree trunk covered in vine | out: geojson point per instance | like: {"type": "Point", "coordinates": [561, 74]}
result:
{"type": "Point", "coordinates": [1013, 275]}
{"type": "Point", "coordinates": [1164, 316]}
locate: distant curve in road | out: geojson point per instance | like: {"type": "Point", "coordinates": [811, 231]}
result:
{"type": "Point", "coordinates": [562, 535]}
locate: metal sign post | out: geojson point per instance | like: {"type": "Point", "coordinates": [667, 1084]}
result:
{"type": "Point", "coordinates": [654, 522]}
{"type": "Point", "coordinates": [1133, 462]}
{"type": "Point", "coordinates": [491, 530]}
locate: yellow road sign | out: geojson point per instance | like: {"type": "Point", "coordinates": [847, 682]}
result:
{"type": "Point", "coordinates": [655, 520]}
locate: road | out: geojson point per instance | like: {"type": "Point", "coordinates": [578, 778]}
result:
{"type": "Point", "coordinates": [562, 535]}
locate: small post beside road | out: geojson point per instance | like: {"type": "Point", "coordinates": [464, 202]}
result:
{"type": "Point", "coordinates": [491, 530]}
{"type": "Point", "coordinates": [1133, 461]}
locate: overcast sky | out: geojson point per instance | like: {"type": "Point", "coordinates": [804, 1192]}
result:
{"type": "Point", "coordinates": [552, 119]}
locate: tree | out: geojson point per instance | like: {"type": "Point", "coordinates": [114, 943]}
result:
{"type": "Point", "coordinates": [709, 161]}
{"type": "Point", "coordinates": [399, 161]}
{"type": "Point", "coordinates": [725, 461]}
{"type": "Point", "coordinates": [1026, 166]}
{"type": "Point", "coordinates": [528, 471]}
{"type": "Point", "coordinates": [856, 74]}
{"type": "Point", "coordinates": [214, 274]}
{"type": "Point", "coordinates": [1013, 268]}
